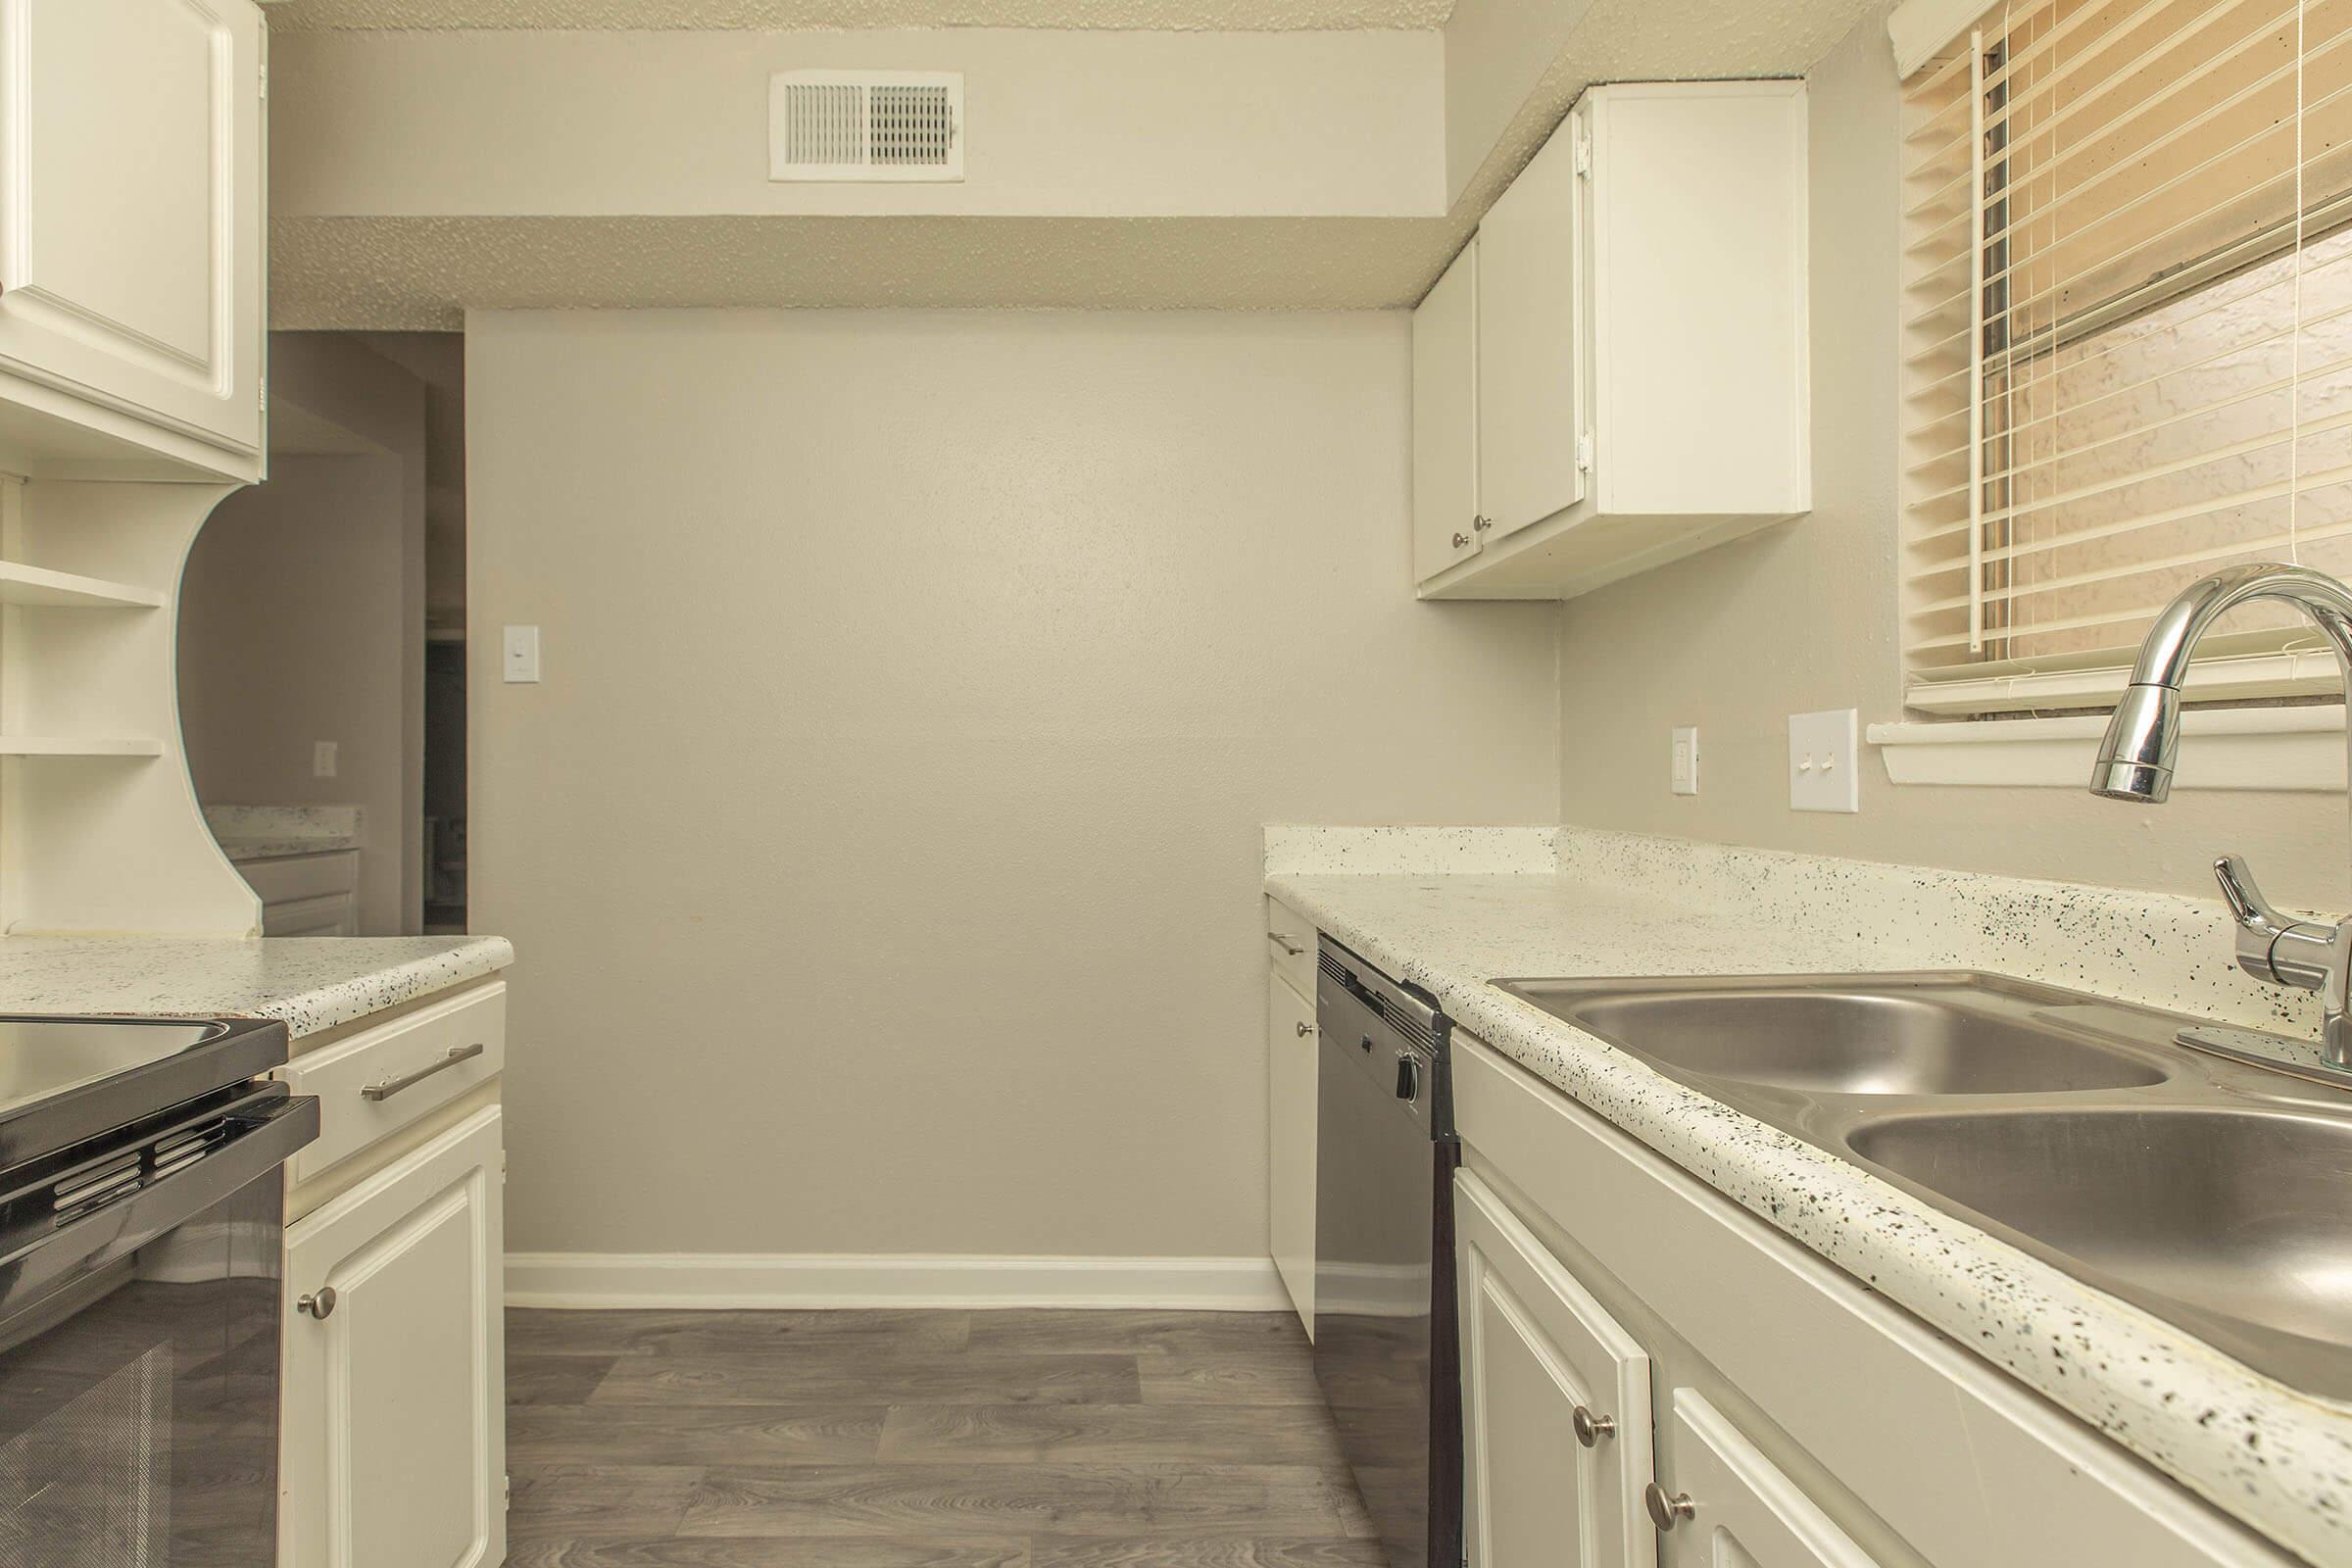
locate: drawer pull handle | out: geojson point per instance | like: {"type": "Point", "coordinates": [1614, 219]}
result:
{"type": "Point", "coordinates": [1590, 1428]}
{"type": "Point", "coordinates": [1286, 944]}
{"type": "Point", "coordinates": [393, 1086]}
{"type": "Point", "coordinates": [1666, 1509]}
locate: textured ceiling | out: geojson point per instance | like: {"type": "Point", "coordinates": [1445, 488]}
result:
{"type": "Point", "coordinates": [420, 274]}
{"type": "Point", "coordinates": [1238, 16]}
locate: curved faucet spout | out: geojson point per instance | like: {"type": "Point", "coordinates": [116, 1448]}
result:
{"type": "Point", "coordinates": [2144, 738]}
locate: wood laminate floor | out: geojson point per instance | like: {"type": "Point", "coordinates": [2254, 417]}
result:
{"type": "Point", "coordinates": [923, 1439]}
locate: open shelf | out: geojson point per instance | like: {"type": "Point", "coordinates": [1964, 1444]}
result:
{"type": "Point", "coordinates": [21, 584]}
{"type": "Point", "coordinates": [77, 746]}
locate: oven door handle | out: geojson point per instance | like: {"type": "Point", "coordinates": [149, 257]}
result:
{"type": "Point", "coordinates": [41, 1256]}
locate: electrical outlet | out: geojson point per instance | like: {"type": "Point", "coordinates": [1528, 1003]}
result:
{"type": "Point", "coordinates": [1821, 748]}
{"type": "Point", "coordinates": [322, 760]}
{"type": "Point", "coordinates": [1682, 776]}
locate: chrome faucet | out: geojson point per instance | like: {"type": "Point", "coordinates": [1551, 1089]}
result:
{"type": "Point", "coordinates": [2136, 764]}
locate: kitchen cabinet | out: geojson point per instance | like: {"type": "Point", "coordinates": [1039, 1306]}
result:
{"type": "Point", "coordinates": [1638, 349]}
{"type": "Point", "coordinates": [1801, 1420]}
{"type": "Point", "coordinates": [1447, 527]}
{"type": "Point", "coordinates": [131, 316]}
{"type": "Point", "coordinates": [1728, 1504]}
{"type": "Point", "coordinates": [1555, 1404]}
{"type": "Point", "coordinates": [1291, 1105]}
{"type": "Point", "coordinates": [394, 1440]}
{"type": "Point", "coordinates": [392, 1453]}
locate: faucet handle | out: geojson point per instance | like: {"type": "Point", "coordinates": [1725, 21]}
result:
{"type": "Point", "coordinates": [2245, 900]}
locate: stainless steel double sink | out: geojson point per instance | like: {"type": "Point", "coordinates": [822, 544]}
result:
{"type": "Point", "coordinates": [2210, 1192]}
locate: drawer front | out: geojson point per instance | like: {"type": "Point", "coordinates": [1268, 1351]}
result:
{"type": "Point", "coordinates": [331, 914]}
{"type": "Point", "coordinates": [433, 1050]}
{"type": "Point", "coordinates": [287, 878]}
{"type": "Point", "coordinates": [1291, 947]}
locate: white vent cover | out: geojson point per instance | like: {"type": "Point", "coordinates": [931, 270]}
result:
{"type": "Point", "coordinates": [865, 125]}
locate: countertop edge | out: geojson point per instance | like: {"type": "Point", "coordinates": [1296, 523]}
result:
{"type": "Point", "coordinates": [2276, 1459]}
{"type": "Point", "coordinates": [341, 1001]}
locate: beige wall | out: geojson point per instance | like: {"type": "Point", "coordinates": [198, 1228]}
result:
{"type": "Point", "coordinates": [882, 845]}
{"type": "Point", "coordinates": [293, 628]}
{"type": "Point", "coordinates": [1058, 124]}
{"type": "Point", "coordinates": [1804, 618]}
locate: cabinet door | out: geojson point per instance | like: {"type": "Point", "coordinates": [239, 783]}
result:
{"type": "Point", "coordinates": [1530, 275]}
{"type": "Point", "coordinates": [1555, 1404]}
{"type": "Point", "coordinates": [394, 1447]}
{"type": "Point", "coordinates": [1290, 1058]}
{"type": "Point", "coordinates": [130, 208]}
{"type": "Point", "coordinates": [1446, 526]}
{"type": "Point", "coordinates": [1731, 1508]}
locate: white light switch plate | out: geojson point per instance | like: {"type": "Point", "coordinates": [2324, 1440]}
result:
{"type": "Point", "coordinates": [1822, 775]}
{"type": "Point", "coordinates": [1683, 774]}
{"type": "Point", "coordinates": [521, 659]}
{"type": "Point", "coordinates": [322, 759]}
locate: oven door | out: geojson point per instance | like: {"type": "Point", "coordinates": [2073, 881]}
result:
{"type": "Point", "coordinates": [138, 1358]}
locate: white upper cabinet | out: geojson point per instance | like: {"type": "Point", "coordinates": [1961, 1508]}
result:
{"type": "Point", "coordinates": [1447, 525]}
{"type": "Point", "coordinates": [1640, 360]}
{"type": "Point", "coordinates": [130, 234]}
{"type": "Point", "coordinates": [1528, 301]}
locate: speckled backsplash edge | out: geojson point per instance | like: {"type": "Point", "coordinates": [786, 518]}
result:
{"type": "Point", "coordinates": [1297, 848]}
{"type": "Point", "coordinates": [239, 822]}
{"type": "Point", "coordinates": [2158, 950]}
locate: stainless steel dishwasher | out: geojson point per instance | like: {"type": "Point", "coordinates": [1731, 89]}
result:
{"type": "Point", "coordinates": [1386, 1353]}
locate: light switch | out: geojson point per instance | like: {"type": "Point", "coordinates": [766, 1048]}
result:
{"type": "Point", "coordinates": [522, 664]}
{"type": "Point", "coordinates": [1683, 779]}
{"type": "Point", "coordinates": [1822, 775]}
{"type": "Point", "coordinates": [322, 760]}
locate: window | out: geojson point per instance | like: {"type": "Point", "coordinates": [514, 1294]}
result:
{"type": "Point", "coordinates": [2127, 338]}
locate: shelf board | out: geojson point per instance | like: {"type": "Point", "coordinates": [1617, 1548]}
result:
{"type": "Point", "coordinates": [77, 746]}
{"type": "Point", "coordinates": [21, 584]}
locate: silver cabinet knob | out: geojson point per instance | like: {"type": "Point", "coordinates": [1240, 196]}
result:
{"type": "Point", "coordinates": [1481, 524]}
{"type": "Point", "coordinates": [1666, 1510]}
{"type": "Point", "coordinates": [1590, 1428]}
{"type": "Point", "coordinates": [1306, 1029]}
{"type": "Point", "coordinates": [1461, 541]}
{"type": "Point", "coordinates": [320, 1306]}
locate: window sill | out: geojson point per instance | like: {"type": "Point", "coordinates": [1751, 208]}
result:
{"type": "Point", "coordinates": [2299, 749]}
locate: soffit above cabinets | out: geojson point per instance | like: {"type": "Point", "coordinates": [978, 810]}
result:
{"type": "Point", "coordinates": [1186, 16]}
{"type": "Point", "coordinates": [1104, 169]}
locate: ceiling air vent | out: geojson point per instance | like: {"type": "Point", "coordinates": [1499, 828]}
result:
{"type": "Point", "coordinates": [865, 125]}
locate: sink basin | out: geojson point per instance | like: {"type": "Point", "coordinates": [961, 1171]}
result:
{"type": "Point", "coordinates": [2235, 1223]}
{"type": "Point", "coordinates": [2203, 1190]}
{"type": "Point", "coordinates": [1888, 1035]}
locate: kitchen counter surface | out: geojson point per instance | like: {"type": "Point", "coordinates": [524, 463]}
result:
{"type": "Point", "coordinates": [273, 832]}
{"type": "Point", "coordinates": [2277, 1459]}
{"type": "Point", "coordinates": [313, 983]}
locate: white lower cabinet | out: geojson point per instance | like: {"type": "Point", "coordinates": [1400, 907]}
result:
{"type": "Point", "coordinates": [1290, 1077]}
{"type": "Point", "coordinates": [1555, 1404]}
{"type": "Point", "coordinates": [394, 1445]}
{"type": "Point", "coordinates": [1729, 1507]}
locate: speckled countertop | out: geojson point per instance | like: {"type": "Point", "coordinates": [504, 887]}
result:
{"type": "Point", "coordinates": [313, 983]}
{"type": "Point", "coordinates": [270, 832]}
{"type": "Point", "coordinates": [1570, 902]}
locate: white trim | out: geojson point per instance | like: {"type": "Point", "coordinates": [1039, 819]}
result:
{"type": "Point", "coordinates": [2308, 672]}
{"type": "Point", "coordinates": [1920, 29]}
{"type": "Point", "coordinates": [2300, 749]}
{"type": "Point", "coordinates": [782, 1279]}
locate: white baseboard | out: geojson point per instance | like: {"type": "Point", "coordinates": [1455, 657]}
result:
{"type": "Point", "coordinates": [717, 1280]}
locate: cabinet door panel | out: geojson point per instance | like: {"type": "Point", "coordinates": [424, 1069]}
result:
{"type": "Point", "coordinates": [394, 1452]}
{"type": "Point", "coordinates": [1446, 521]}
{"type": "Point", "coordinates": [1530, 302]}
{"type": "Point", "coordinates": [1744, 1512]}
{"type": "Point", "coordinates": [1536, 1349]}
{"type": "Point", "coordinates": [1291, 1068]}
{"type": "Point", "coordinates": [130, 207]}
